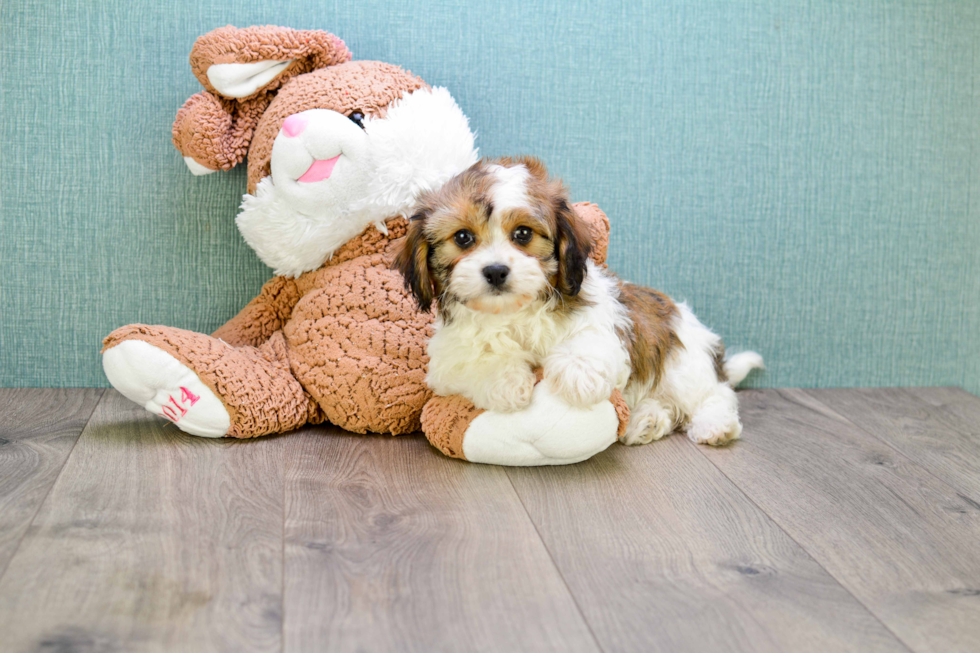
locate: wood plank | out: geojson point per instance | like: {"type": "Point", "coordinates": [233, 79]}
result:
{"type": "Point", "coordinates": [38, 428]}
{"type": "Point", "coordinates": [901, 540]}
{"type": "Point", "coordinates": [938, 428]}
{"type": "Point", "coordinates": [663, 553]}
{"type": "Point", "coordinates": [151, 540]}
{"type": "Point", "coordinates": [391, 546]}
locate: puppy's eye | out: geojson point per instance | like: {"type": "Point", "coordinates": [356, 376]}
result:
{"type": "Point", "coordinates": [463, 238]}
{"type": "Point", "coordinates": [522, 235]}
{"type": "Point", "coordinates": [357, 117]}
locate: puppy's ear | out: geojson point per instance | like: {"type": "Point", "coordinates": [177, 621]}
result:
{"type": "Point", "coordinates": [412, 261]}
{"type": "Point", "coordinates": [572, 247]}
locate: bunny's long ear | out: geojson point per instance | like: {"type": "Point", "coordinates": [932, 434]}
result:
{"type": "Point", "coordinates": [241, 70]}
{"type": "Point", "coordinates": [598, 225]}
{"type": "Point", "coordinates": [238, 63]}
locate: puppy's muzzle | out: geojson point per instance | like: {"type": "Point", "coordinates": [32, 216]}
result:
{"type": "Point", "coordinates": [496, 275]}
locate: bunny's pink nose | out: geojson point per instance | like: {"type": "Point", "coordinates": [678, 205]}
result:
{"type": "Point", "coordinates": [294, 125]}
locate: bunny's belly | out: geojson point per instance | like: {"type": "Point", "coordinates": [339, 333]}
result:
{"type": "Point", "coordinates": [357, 344]}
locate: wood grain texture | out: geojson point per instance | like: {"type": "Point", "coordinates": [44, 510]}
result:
{"type": "Point", "coordinates": [392, 547]}
{"type": "Point", "coordinates": [810, 534]}
{"type": "Point", "coordinates": [151, 540]}
{"type": "Point", "coordinates": [38, 428]}
{"type": "Point", "coordinates": [899, 539]}
{"type": "Point", "coordinates": [938, 428]}
{"type": "Point", "coordinates": [663, 553]}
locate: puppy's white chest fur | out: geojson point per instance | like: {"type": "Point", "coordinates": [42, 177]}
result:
{"type": "Point", "coordinates": [473, 336]}
{"type": "Point", "coordinates": [489, 358]}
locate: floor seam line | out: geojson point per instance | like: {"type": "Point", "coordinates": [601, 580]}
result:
{"type": "Point", "coordinates": [3, 572]}
{"type": "Point", "coordinates": [809, 555]}
{"type": "Point", "coordinates": [888, 444]}
{"type": "Point", "coordinates": [553, 562]}
{"type": "Point", "coordinates": [282, 567]}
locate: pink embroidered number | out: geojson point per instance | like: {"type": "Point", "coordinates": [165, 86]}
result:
{"type": "Point", "coordinates": [187, 395]}
{"type": "Point", "coordinates": [187, 398]}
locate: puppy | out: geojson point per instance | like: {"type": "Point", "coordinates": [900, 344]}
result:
{"type": "Point", "coordinates": [506, 259]}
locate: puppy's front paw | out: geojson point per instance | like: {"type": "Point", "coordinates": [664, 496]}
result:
{"type": "Point", "coordinates": [508, 393]}
{"type": "Point", "coordinates": [577, 381]}
{"type": "Point", "coordinates": [648, 422]}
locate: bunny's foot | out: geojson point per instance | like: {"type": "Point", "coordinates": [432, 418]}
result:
{"type": "Point", "coordinates": [204, 385]}
{"type": "Point", "coordinates": [161, 384]}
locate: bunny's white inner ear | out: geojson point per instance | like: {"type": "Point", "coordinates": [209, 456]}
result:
{"type": "Point", "coordinates": [240, 80]}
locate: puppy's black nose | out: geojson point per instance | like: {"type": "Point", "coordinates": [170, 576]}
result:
{"type": "Point", "coordinates": [496, 274]}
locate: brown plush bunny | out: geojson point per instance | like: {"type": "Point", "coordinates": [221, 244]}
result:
{"type": "Point", "coordinates": [338, 151]}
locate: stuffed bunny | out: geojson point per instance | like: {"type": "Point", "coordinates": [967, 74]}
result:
{"type": "Point", "coordinates": [338, 151]}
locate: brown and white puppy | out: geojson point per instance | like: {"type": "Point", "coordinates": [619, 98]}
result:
{"type": "Point", "coordinates": [506, 258]}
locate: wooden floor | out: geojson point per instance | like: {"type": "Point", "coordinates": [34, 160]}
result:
{"type": "Point", "coordinates": [845, 520]}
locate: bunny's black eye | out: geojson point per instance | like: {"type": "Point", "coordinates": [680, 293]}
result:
{"type": "Point", "coordinates": [522, 235]}
{"type": "Point", "coordinates": [463, 238]}
{"type": "Point", "coordinates": [357, 117]}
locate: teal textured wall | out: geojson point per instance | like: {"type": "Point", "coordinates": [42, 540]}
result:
{"type": "Point", "coordinates": [801, 172]}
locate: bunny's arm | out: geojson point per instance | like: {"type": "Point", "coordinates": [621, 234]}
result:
{"type": "Point", "coordinates": [215, 133]}
{"type": "Point", "coordinates": [598, 225]}
{"type": "Point", "coordinates": [262, 316]}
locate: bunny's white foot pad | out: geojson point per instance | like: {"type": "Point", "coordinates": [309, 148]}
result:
{"type": "Point", "coordinates": [160, 383]}
{"type": "Point", "coordinates": [548, 432]}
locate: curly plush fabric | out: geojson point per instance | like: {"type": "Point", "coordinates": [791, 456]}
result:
{"type": "Point", "coordinates": [445, 420]}
{"type": "Point", "coordinates": [217, 132]}
{"type": "Point", "coordinates": [622, 411]}
{"type": "Point", "coordinates": [598, 225]}
{"type": "Point", "coordinates": [343, 342]}
{"type": "Point", "coordinates": [357, 343]}
{"type": "Point", "coordinates": [263, 316]}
